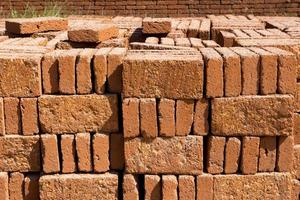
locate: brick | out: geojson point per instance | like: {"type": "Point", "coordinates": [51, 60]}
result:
{"type": "Point", "coordinates": [250, 70]}
{"type": "Point", "coordinates": [85, 113]}
{"type": "Point", "coordinates": [20, 75]}
{"type": "Point", "coordinates": [31, 187]}
{"type": "Point", "coordinates": [148, 118]}
{"type": "Point", "coordinates": [12, 116]}
{"type": "Point", "coordinates": [20, 153]}
{"type": "Point", "coordinates": [114, 69]}
{"type": "Point", "coordinates": [152, 72]}
{"type": "Point", "coordinates": [67, 146]}
{"type": "Point", "coordinates": [29, 113]}
{"type": "Point", "coordinates": [152, 187]}
{"type": "Point", "coordinates": [297, 98]}
{"type": "Point", "coordinates": [252, 115]}
{"type": "Point", "coordinates": [268, 70]}
{"type": "Point", "coordinates": [166, 117]}
{"type": "Point", "coordinates": [258, 186]}
{"type": "Point", "coordinates": [116, 151]}
{"type": "Point", "coordinates": [167, 41]}
{"type": "Point", "coordinates": [169, 187]}
{"type": "Point", "coordinates": [101, 152]}
{"type": "Point", "coordinates": [196, 43]}
{"type": "Point", "coordinates": [76, 186]}
{"type": "Point", "coordinates": [144, 157]}
{"type": "Point", "coordinates": [92, 32]}
{"type": "Point", "coordinates": [205, 185]}
{"type": "Point", "coordinates": [50, 75]}
{"type": "Point", "coordinates": [296, 161]}
{"type": "Point", "coordinates": [267, 154]}
{"type": "Point", "coordinates": [296, 128]}
{"type": "Point", "coordinates": [100, 69]}
{"type": "Point", "coordinates": [204, 30]}
{"type": "Point", "coordinates": [226, 39]}
{"type": "Point", "coordinates": [2, 119]}
{"type": "Point", "coordinates": [287, 71]}
{"type": "Point", "coordinates": [214, 72]}
{"type": "Point", "coordinates": [4, 194]}
{"type": "Point", "coordinates": [131, 120]}
{"type": "Point", "coordinates": [83, 152]}
{"type": "Point", "coordinates": [215, 154]}
{"type": "Point", "coordinates": [184, 117]}
{"type": "Point", "coordinates": [147, 46]}
{"type": "Point", "coordinates": [35, 25]}
{"type": "Point", "coordinates": [186, 187]}
{"type": "Point", "coordinates": [83, 72]}
{"type": "Point", "coordinates": [232, 155]}
{"type": "Point", "coordinates": [152, 40]}
{"type": "Point", "coordinates": [193, 28]}
{"type": "Point", "coordinates": [50, 154]}
{"type": "Point", "coordinates": [16, 184]}
{"type": "Point", "coordinates": [183, 26]}
{"type": "Point", "coordinates": [210, 43]}
{"type": "Point", "coordinates": [183, 42]}
{"type": "Point", "coordinates": [296, 189]}
{"type": "Point", "coordinates": [201, 124]}
{"type": "Point", "coordinates": [156, 26]}
{"type": "Point", "coordinates": [250, 154]}
{"type": "Point", "coordinates": [130, 187]}
{"type": "Point", "coordinates": [232, 72]}
{"type": "Point", "coordinates": [284, 163]}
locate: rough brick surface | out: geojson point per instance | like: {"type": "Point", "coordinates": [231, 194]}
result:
{"type": "Point", "coordinates": [156, 26]}
{"type": "Point", "coordinates": [50, 73]}
{"type": "Point", "coordinates": [31, 187]}
{"type": "Point", "coordinates": [67, 146]}
{"type": "Point", "coordinates": [201, 114]}
{"type": "Point", "coordinates": [2, 120]}
{"type": "Point", "coordinates": [284, 154]}
{"type": "Point", "coordinates": [215, 155]}
{"type": "Point", "coordinates": [152, 186]}
{"type": "Point", "coordinates": [166, 117]}
{"type": "Point", "coordinates": [4, 194]}
{"type": "Point", "coordinates": [100, 69]}
{"type": "Point", "coordinates": [12, 115]}
{"type": "Point", "coordinates": [131, 120]}
{"type": "Point", "coordinates": [186, 187]}
{"type": "Point", "coordinates": [50, 154]}
{"type": "Point", "coordinates": [232, 155]}
{"type": "Point", "coordinates": [29, 113]}
{"type": "Point", "coordinates": [16, 180]}
{"type": "Point", "coordinates": [101, 152]}
{"type": "Point", "coordinates": [83, 152]}
{"type": "Point", "coordinates": [184, 117]}
{"type": "Point", "coordinates": [130, 187]}
{"type": "Point", "coordinates": [148, 118]}
{"type": "Point", "coordinates": [205, 187]}
{"type": "Point", "coordinates": [267, 154]}
{"type": "Point", "coordinates": [296, 128]}
{"type": "Point", "coordinates": [169, 187]}
{"type": "Point", "coordinates": [250, 154]}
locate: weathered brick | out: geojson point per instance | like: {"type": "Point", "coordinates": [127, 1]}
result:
{"type": "Point", "coordinates": [225, 38]}
{"type": "Point", "coordinates": [116, 151]}
{"type": "Point", "coordinates": [232, 155]}
{"type": "Point", "coordinates": [148, 118]}
{"type": "Point", "coordinates": [67, 146]}
{"type": "Point", "coordinates": [166, 117]}
{"type": "Point", "coordinates": [267, 154]}
{"type": "Point", "coordinates": [193, 29]}
{"type": "Point", "coordinates": [101, 152]}
{"type": "Point", "coordinates": [16, 184]}
{"type": "Point", "coordinates": [152, 187]}
{"type": "Point", "coordinates": [50, 75]}
{"type": "Point", "coordinates": [31, 187]}
{"type": "Point", "coordinates": [296, 161]}
{"type": "Point", "coordinates": [2, 119]}
{"type": "Point", "coordinates": [182, 42]}
{"type": "Point", "coordinates": [297, 98]}
{"type": "Point", "coordinates": [215, 154]}
{"type": "Point", "coordinates": [144, 157]}
{"type": "Point", "coordinates": [84, 113]}
{"type": "Point", "coordinates": [184, 117]}
{"type": "Point", "coordinates": [29, 113]}
{"type": "Point", "coordinates": [130, 187]}
{"type": "Point", "coordinates": [83, 150]}
{"type": "Point", "coordinates": [12, 115]}
{"type": "Point", "coordinates": [284, 162]}
{"type": "Point", "coordinates": [76, 186]}
{"type": "Point", "coordinates": [156, 25]}
{"type": "Point", "coordinates": [169, 187]}
{"type": "Point", "coordinates": [296, 189]}
{"type": "Point", "coordinates": [186, 187]}
{"type": "Point", "coordinates": [205, 187]}
{"type": "Point", "coordinates": [100, 69]}
{"type": "Point", "coordinates": [252, 115]}
{"type": "Point", "coordinates": [250, 154]}
{"type": "Point", "coordinates": [152, 40]}
{"type": "Point", "coordinates": [201, 124]}
{"type": "Point", "coordinates": [296, 128]}
{"type": "Point", "coordinates": [4, 194]}
{"type": "Point", "coordinates": [50, 154]}
{"type": "Point", "coordinates": [131, 120]}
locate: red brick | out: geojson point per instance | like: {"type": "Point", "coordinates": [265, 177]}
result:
{"type": "Point", "coordinates": [296, 162]}
{"type": "Point", "coordinates": [167, 41]}
{"type": "Point", "coordinates": [29, 112]}
{"type": "Point", "coordinates": [215, 154]}
{"type": "Point", "coordinates": [186, 187]}
{"type": "Point", "coordinates": [225, 38]}
{"type": "Point", "coordinates": [16, 184]}
{"type": "Point", "coordinates": [100, 69]}
{"type": "Point", "coordinates": [4, 194]}
{"type": "Point", "coordinates": [31, 187]}
{"type": "Point", "coordinates": [116, 151]}
{"type": "Point", "coordinates": [148, 118]}
{"type": "Point", "coordinates": [267, 154]}
{"type": "Point", "coordinates": [250, 153]}
{"type": "Point", "coordinates": [204, 30]}
{"type": "Point", "coordinates": [2, 119]}
{"type": "Point", "coordinates": [201, 124]}
{"type": "Point", "coordinates": [50, 73]}
{"type": "Point", "coordinates": [67, 145]}
{"type": "Point", "coordinates": [205, 187]}
{"type": "Point", "coordinates": [130, 187]}
{"type": "Point", "coordinates": [295, 190]}
{"type": "Point", "coordinates": [284, 161]}
{"type": "Point", "coordinates": [12, 115]}
{"type": "Point", "coordinates": [193, 29]}
{"type": "Point", "coordinates": [50, 154]}
{"type": "Point", "coordinates": [156, 25]}
{"type": "Point", "coordinates": [152, 187]}
{"type": "Point", "coordinates": [152, 40]}
{"type": "Point", "coordinates": [184, 117]}
{"type": "Point", "coordinates": [296, 128]}
{"type": "Point", "coordinates": [131, 120]}
{"type": "Point", "coordinates": [101, 152]}
{"type": "Point", "coordinates": [166, 117]}
{"type": "Point", "coordinates": [83, 149]}
{"type": "Point", "coordinates": [232, 155]}
{"type": "Point", "coordinates": [169, 187]}
{"type": "Point", "coordinates": [297, 98]}
{"type": "Point", "coordinates": [182, 42]}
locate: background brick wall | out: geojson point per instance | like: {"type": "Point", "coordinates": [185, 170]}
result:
{"type": "Point", "coordinates": [161, 8]}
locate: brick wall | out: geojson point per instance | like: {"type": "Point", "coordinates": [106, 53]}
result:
{"type": "Point", "coordinates": [165, 7]}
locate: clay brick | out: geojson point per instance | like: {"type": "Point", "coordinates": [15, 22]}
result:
{"type": "Point", "coordinates": [296, 161]}
{"type": "Point", "coordinates": [215, 154]}
{"type": "Point", "coordinates": [284, 162]}
{"type": "Point", "coordinates": [29, 112]}
{"type": "Point", "coordinates": [76, 186]}
{"type": "Point", "coordinates": [20, 153]}
{"type": "Point", "coordinates": [35, 25]}
{"type": "Point", "coordinates": [201, 124]}
{"type": "Point", "coordinates": [287, 71]}
{"type": "Point", "coordinates": [252, 115]}
{"type": "Point", "coordinates": [214, 73]}
{"type": "Point", "coordinates": [12, 115]}
{"type": "Point", "coordinates": [258, 186]}
{"type": "Point", "coordinates": [205, 185]}
{"type": "Point", "coordinates": [147, 46]}
{"type": "Point", "coordinates": [210, 43]}
{"type": "Point", "coordinates": [50, 154]}
{"type": "Point", "coordinates": [85, 113]}
{"type": "Point", "coordinates": [296, 128]}
{"type": "Point", "coordinates": [31, 187]}
{"type": "Point", "coordinates": [101, 152]}
{"type": "Point", "coordinates": [196, 43]}
{"type": "Point", "coordinates": [295, 190]}
{"type": "Point", "coordinates": [83, 71]}
{"type": "Point", "coordinates": [152, 72]}
{"type": "Point", "coordinates": [267, 154]}
{"type": "Point", "coordinates": [66, 70]}
{"type": "Point", "coordinates": [16, 184]}
{"type": "Point", "coordinates": [2, 119]}
{"type": "Point", "coordinates": [152, 40]}
{"type": "Point", "coordinates": [232, 72]}
{"type": "Point", "coordinates": [100, 69]}
{"type": "Point", "coordinates": [92, 32]}
{"type": "Point", "coordinates": [156, 26]}
{"type": "Point", "coordinates": [50, 73]}
{"type": "Point", "coordinates": [232, 155]}
{"type": "Point", "coordinates": [114, 69]}
{"type": "Point", "coordinates": [142, 156]}
{"type": "Point", "coordinates": [152, 187]}
{"type": "Point", "coordinates": [4, 194]}
{"type": "Point", "coordinates": [268, 71]}
{"type": "Point", "coordinates": [116, 149]}
{"type": "Point", "coordinates": [166, 117]}
{"type": "Point", "coordinates": [169, 187]}
{"type": "Point", "coordinates": [183, 26]}
{"type": "Point", "coordinates": [130, 187]}
{"type": "Point", "coordinates": [186, 187]}
{"type": "Point", "coordinates": [148, 118]}
{"type": "Point", "coordinates": [131, 120]}
{"type": "Point", "coordinates": [250, 70]}
{"type": "Point", "coordinates": [182, 42]}
{"type": "Point", "coordinates": [193, 28]}
{"type": "Point", "coordinates": [67, 145]}
{"type": "Point", "coordinates": [226, 39]}
{"type": "Point", "coordinates": [204, 30]}
{"type": "Point", "coordinates": [83, 150]}
{"type": "Point", "coordinates": [184, 117]}
{"type": "Point", "coordinates": [250, 153]}
{"type": "Point", "coordinates": [167, 41]}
